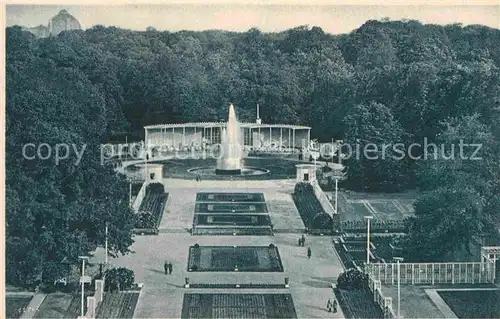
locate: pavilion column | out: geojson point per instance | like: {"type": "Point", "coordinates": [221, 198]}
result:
{"type": "Point", "coordinates": [281, 137]}
{"type": "Point", "coordinates": [146, 138]}
{"type": "Point", "coordinates": [173, 137]}
{"type": "Point", "coordinates": [308, 137]}
{"type": "Point", "coordinates": [250, 137]}
{"type": "Point", "coordinates": [270, 135]}
{"type": "Point", "coordinates": [289, 138]}
{"type": "Point", "coordinates": [293, 138]}
{"type": "Point", "coordinates": [183, 136]}
{"type": "Point", "coordinates": [211, 135]}
{"type": "Point", "coordinates": [259, 138]}
{"type": "Point", "coordinates": [194, 133]}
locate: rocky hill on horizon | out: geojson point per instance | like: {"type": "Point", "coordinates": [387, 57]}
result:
{"type": "Point", "coordinates": [63, 21]}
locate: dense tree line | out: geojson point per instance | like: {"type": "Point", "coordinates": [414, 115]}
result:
{"type": "Point", "coordinates": [459, 208]}
{"type": "Point", "coordinates": [56, 212]}
{"type": "Point", "coordinates": [414, 75]}
{"type": "Point", "coordinates": [386, 82]}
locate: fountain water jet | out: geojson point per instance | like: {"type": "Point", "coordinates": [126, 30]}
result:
{"type": "Point", "coordinates": [230, 161]}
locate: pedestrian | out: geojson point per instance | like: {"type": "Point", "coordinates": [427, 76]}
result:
{"type": "Point", "coordinates": [300, 242]}
{"type": "Point", "coordinates": [335, 305]}
{"type": "Point", "coordinates": [303, 239]}
{"type": "Point", "coordinates": [170, 266]}
{"type": "Point", "coordinates": [165, 267]}
{"type": "Point", "coordinates": [309, 252]}
{"type": "Point", "coordinates": [329, 305]}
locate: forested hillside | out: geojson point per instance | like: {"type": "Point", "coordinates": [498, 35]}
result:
{"type": "Point", "coordinates": [386, 82]}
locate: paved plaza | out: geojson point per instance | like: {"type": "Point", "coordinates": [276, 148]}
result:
{"type": "Point", "coordinates": [162, 295]}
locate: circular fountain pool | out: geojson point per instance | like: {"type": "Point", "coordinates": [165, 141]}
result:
{"type": "Point", "coordinates": [244, 171]}
{"type": "Point", "coordinates": [251, 169]}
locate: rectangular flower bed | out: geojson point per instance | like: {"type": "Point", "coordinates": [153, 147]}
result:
{"type": "Point", "coordinates": [235, 220]}
{"type": "Point", "coordinates": [262, 306]}
{"type": "Point", "coordinates": [233, 208]}
{"type": "Point", "coordinates": [230, 197]}
{"type": "Point", "coordinates": [235, 259]}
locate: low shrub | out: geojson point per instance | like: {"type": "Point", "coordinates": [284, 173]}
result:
{"type": "Point", "coordinates": [48, 288]}
{"type": "Point", "coordinates": [303, 187]}
{"type": "Point", "coordinates": [155, 188]}
{"type": "Point", "coordinates": [322, 221]}
{"type": "Point", "coordinates": [193, 268]}
{"type": "Point", "coordinates": [119, 279]}
{"type": "Point", "coordinates": [352, 279]}
{"type": "Point", "coordinates": [145, 220]}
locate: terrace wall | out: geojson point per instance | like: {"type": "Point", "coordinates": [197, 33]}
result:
{"type": "Point", "coordinates": [94, 301]}
{"type": "Point", "coordinates": [385, 303]}
{"type": "Point", "coordinates": [326, 204]}
{"type": "Point", "coordinates": [140, 196]}
{"type": "Point", "coordinates": [433, 273]}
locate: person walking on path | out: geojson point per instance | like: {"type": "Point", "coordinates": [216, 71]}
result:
{"type": "Point", "coordinates": [329, 305]}
{"type": "Point", "coordinates": [300, 242]}
{"type": "Point", "coordinates": [309, 252]}
{"type": "Point", "coordinates": [303, 239]}
{"type": "Point", "coordinates": [170, 266]}
{"type": "Point", "coordinates": [334, 305]}
{"type": "Point", "coordinates": [165, 267]}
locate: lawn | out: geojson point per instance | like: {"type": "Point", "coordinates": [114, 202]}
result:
{"type": "Point", "coordinates": [361, 210]}
{"type": "Point", "coordinates": [14, 305]}
{"type": "Point", "coordinates": [259, 306]}
{"type": "Point", "coordinates": [232, 220]}
{"type": "Point", "coordinates": [230, 197]}
{"type": "Point", "coordinates": [387, 206]}
{"type": "Point", "coordinates": [226, 258]}
{"type": "Point", "coordinates": [473, 303]}
{"type": "Point", "coordinates": [221, 208]}
{"type": "Point", "coordinates": [388, 210]}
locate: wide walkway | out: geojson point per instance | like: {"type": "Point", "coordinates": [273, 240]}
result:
{"type": "Point", "coordinates": [179, 213]}
{"type": "Point", "coordinates": [162, 295]}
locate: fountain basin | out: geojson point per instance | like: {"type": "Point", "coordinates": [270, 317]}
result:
{"type": "Point", "coordinates": [219, 171]}
{"type": "Point", "coordinates": [243, 171]}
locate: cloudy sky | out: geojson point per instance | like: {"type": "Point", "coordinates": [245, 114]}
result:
{"type": "Point", "coordinates": [263, 15]}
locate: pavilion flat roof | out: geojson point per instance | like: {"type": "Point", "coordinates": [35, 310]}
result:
{"type": "Point", "coordinates": [222, 124]}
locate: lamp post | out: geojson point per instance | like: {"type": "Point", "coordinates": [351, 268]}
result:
{"type": "Point", "coordinates": [339, 148]}
{"type": "Point", "coordinates": [146, 162]}
{"type": "Point", "coordinates": [106, 245]}
{"type": "Point", "coordinates": [336, 194]}
{"type": "Point", "coordinates": [399, 259]}
{"type": "Point", "coordinates": [83, 258]}
{"type": "Point", "coordinates": [368, 218]}
{"type": "Point", "coordinates": [130, 193]}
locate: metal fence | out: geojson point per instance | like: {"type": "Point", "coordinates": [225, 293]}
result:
{"type": "Point", "coordinates": [433, 273]}
{"type": "Point", "coordinates": [376, 225]}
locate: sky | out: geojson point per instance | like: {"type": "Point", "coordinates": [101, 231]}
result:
{"type": "Point", "coordinates": [267, 17]}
